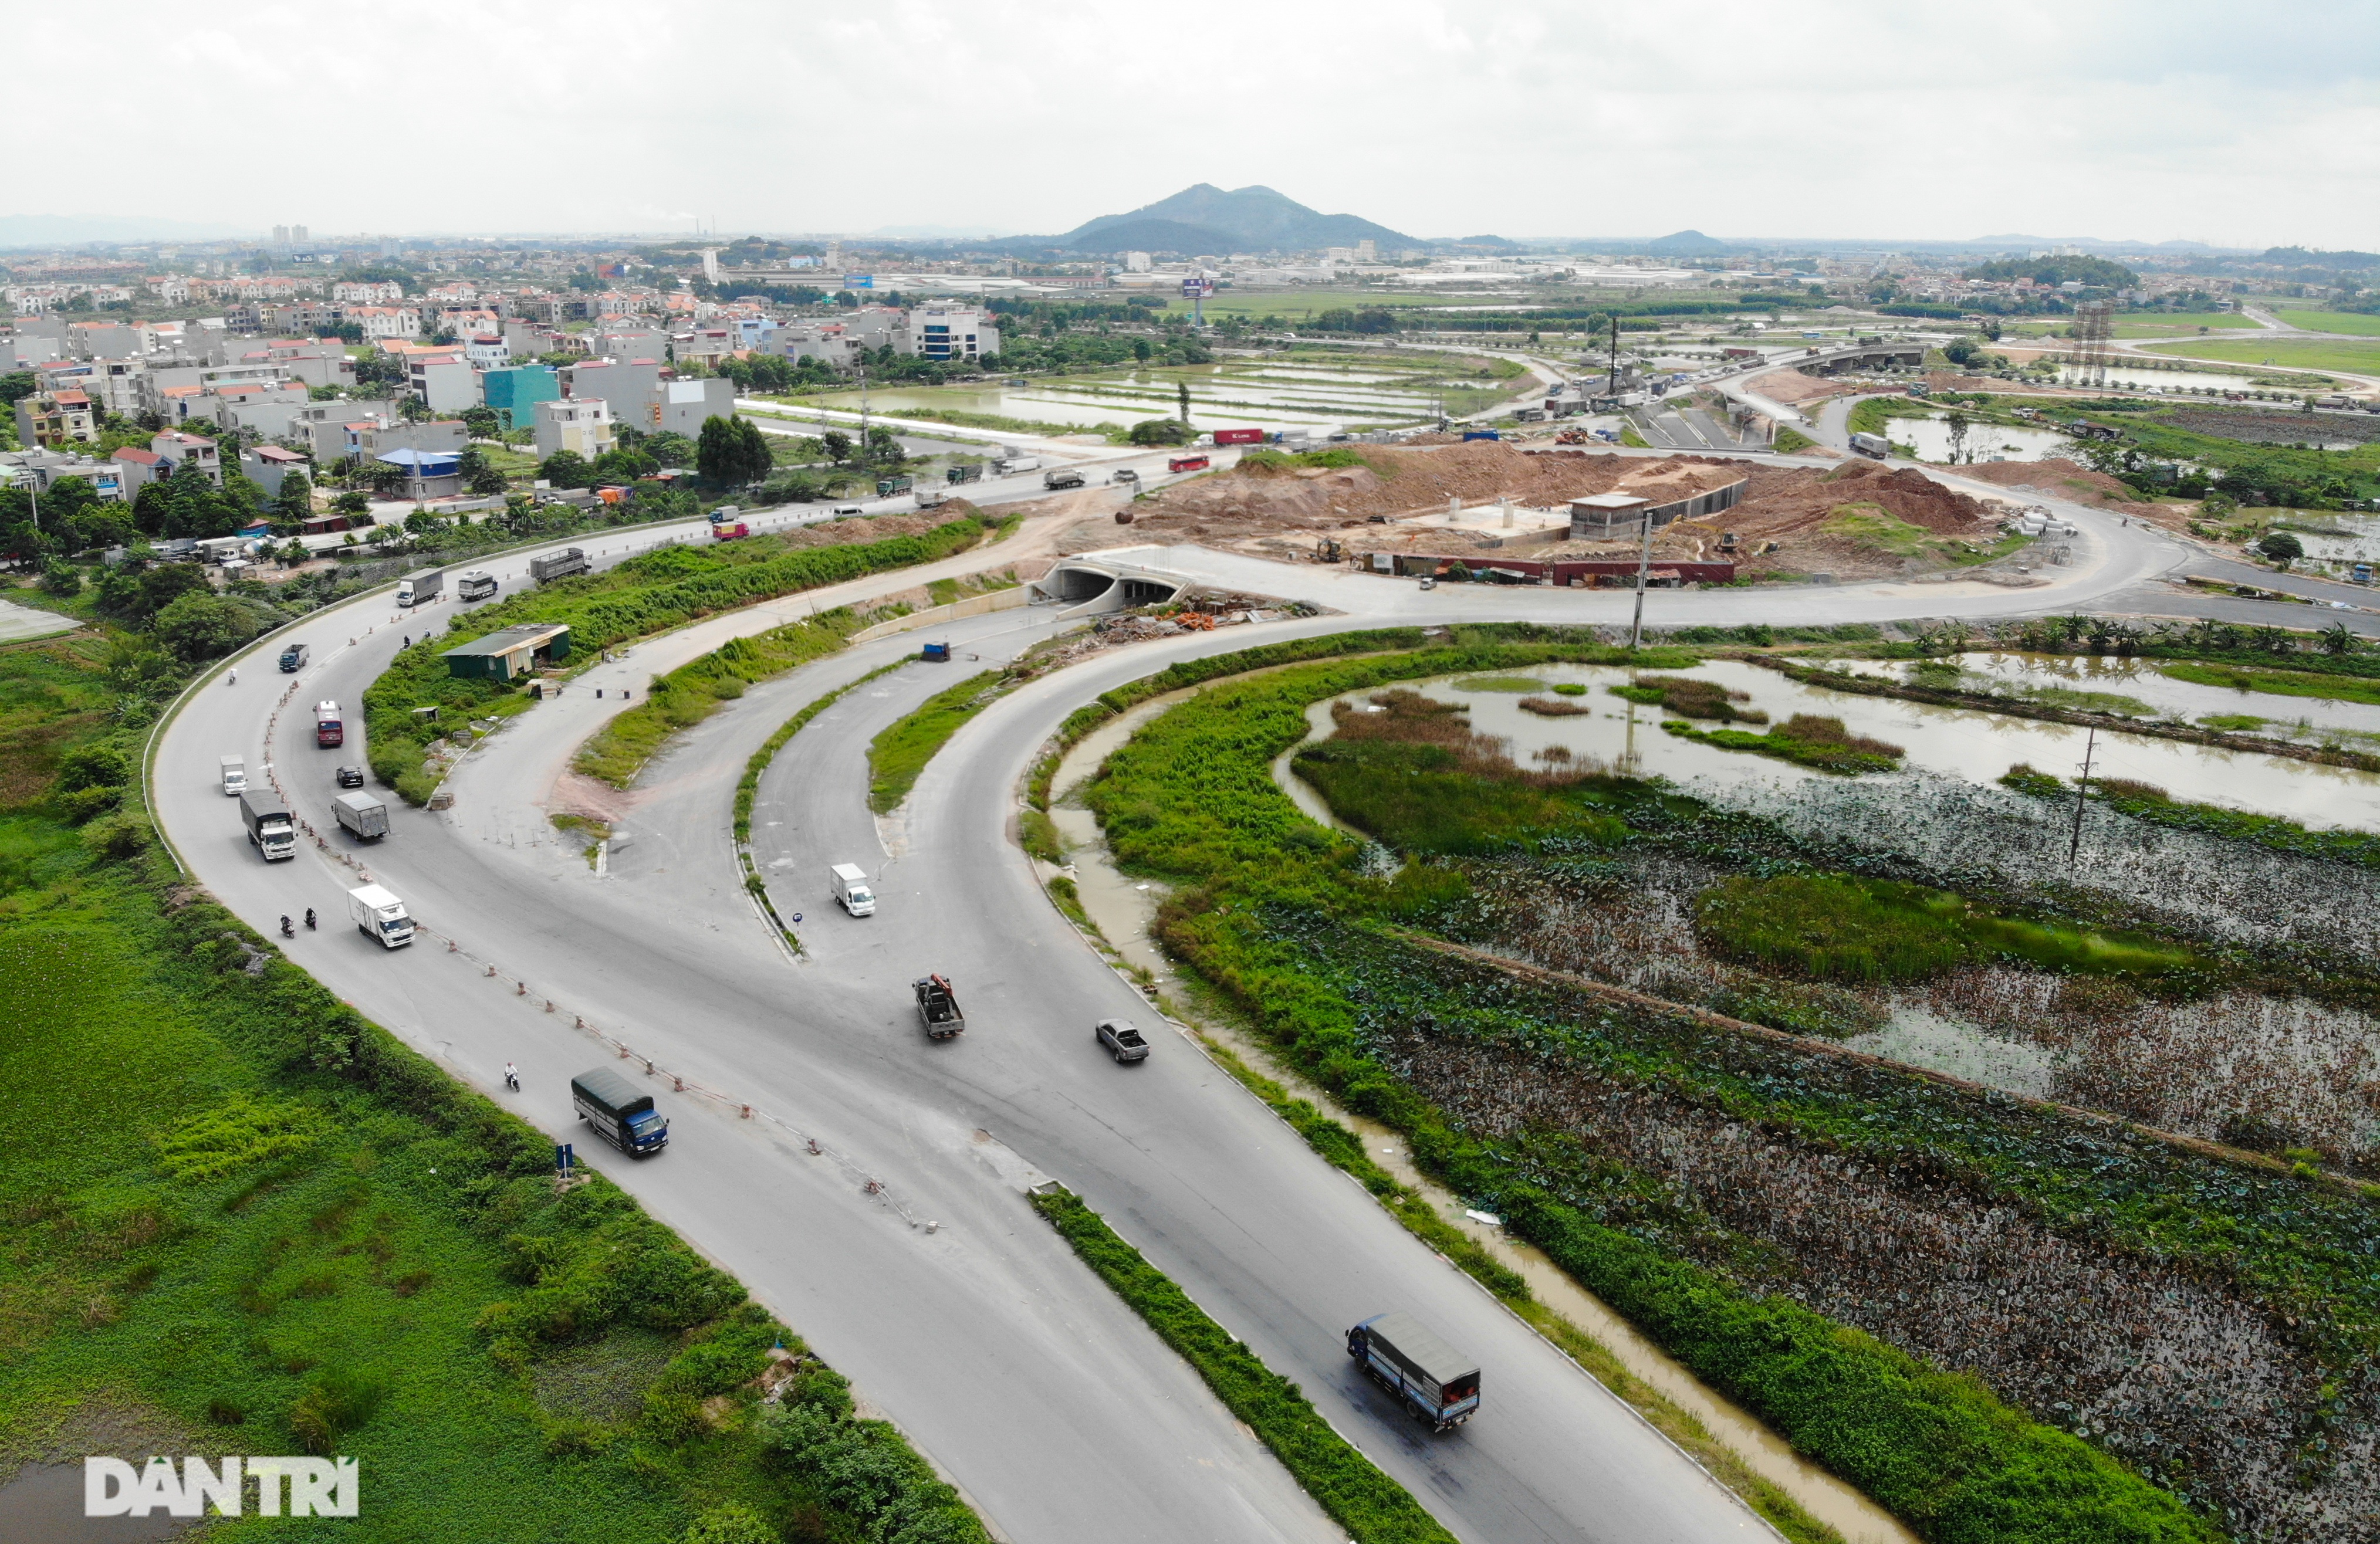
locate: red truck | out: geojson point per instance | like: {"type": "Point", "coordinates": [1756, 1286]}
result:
{"type": "Point", "coordinates": [1187, 464]}
{"type": "Point", "coordinates": [729, 530]}
{"type": "Point", "coordinates": [330, 729]}
{"type": "Point", "coordinates": [1239, 437]}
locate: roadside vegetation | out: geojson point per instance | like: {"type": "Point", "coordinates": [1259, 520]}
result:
{"type": "Point", "coordinates": [1373, 1508]}
{"type": "Point", "coordinates": [1807, 1231]}
{"type": "Point", "coordinates": [898, 756]}
{"type": "Point", "coordinates": [252, 1221]}
{"type": "Point", "coordinates": [649, 593]}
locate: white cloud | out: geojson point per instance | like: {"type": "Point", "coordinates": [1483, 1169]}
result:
{"type": "Point", "coordinates": [2184, 118]}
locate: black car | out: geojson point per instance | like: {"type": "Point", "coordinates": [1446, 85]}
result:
{"type": "Point", "coordinates": [1119, 1036]}
{"type": "Point", "coordinates": [351, 777]}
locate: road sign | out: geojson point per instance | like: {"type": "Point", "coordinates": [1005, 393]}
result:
{"type": "Point", "coordinates": [562, 1157]}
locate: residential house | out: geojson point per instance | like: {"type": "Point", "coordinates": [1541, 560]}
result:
{"type": "Point", "coordinates": [956, 333]}
{"type": "Point", "coordinates": [427, 474]}
{"type": "Point", "coordinates": [702, 345]}
{"type": "Point", "coordinates": [582, 425]}
{"type": "Point", "coordinates": [267, 466]}
{"type": "Point", "coordinates": [381, 322]}
{"type": "Point", "coordinates": [435, 436]}
{"type": "Point", "coordinates": [42, 470]}
{"type": "Point", "coordinates": [368, 293]}
{"type": "Point", "coordinates": [55, 417]}
{"type": "Point", "coordinates": [618, 381]}
{"type": "Point", "coordinates": [515, 391]}
{"type": "Point", "coordinates": [443, 381]}
{"type": "Point", "coordinates": [486, 351]}
{"type": "Point", "coordinates": [137, 468]}
{"type": "Point", "coordinates": [682, 406]}
{"type": "Point", "coordinates": [178, 449]}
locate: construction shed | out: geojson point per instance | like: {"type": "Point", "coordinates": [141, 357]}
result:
{"type": "Point", "coordinates": [511, 653]}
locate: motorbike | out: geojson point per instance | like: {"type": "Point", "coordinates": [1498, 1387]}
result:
{"type": "Point", "coordinates": [286, 930]}
{"type": "Point", "coordinates": [309, 919]}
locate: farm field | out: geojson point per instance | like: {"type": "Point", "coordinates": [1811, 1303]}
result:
{"type": "Point", "coordinates": [2362, 323]}
{"type": "Point", "coordinates": [2284, 353]}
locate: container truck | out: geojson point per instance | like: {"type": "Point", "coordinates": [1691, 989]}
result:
{"type": "Point", "coordinates": [1009, 465]}
{"type": "Point", "coordinates": [379, 914]}
{"type": "Point", "coordinates": [419, 590]}
{"type": "Point", "coordinates": [850, 887]}
{"type": "Point", "coordinates": [729, 530]}
{"type": "Point", "coordinates": [558, 565]}
{"type": "Point", "coordinates": [329, 728]}
{"type": "Point", "coordinates": [269, 829]}
{"type": "Point", "coordinates": [362, 815]}
{"type": "Point", "coordinates": [1875, 445]}
{"type": "Point", "coordinates": [478, 584]}
{"type": "Point", "coordinates": [235, 776]}
{"type": "Point", "coordinates": [621, 1112]}
{"type": "Point", "coordinates": [1239, 437]}
{"type": "Point", "coordinates": [1431, 1378]}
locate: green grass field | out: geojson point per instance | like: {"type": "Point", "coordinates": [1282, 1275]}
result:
{"type": "Point", "coordinates": [2282, 353]}
{"type": "Point", "coordinates": [2357, 323]}
{"type": "Point", "coordinates": [2143, 325]}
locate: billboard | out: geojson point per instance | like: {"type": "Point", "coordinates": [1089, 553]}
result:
{"type": "Point", "coordinates": [859, 280]}
{"type": "Point", "coordinates": [1197, 287]}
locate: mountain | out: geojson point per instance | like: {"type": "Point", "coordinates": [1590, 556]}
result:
{"type": "Point", "coordinates": [61, 230]}
{"type": "Point", "coordinates": [1684, 244]}
{"type": "Point", "coordinates": [1207, 219]}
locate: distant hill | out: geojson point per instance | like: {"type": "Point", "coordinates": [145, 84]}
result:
{"type": "Point", "coordinates": [1685, 243]}
{"type": "Point", "coordinates": [60, 230]}
{"type": "Point", "coordinates": [1207, 219]}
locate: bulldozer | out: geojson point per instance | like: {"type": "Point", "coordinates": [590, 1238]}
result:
{"type": "Point", "coordinates": [1330, 550]}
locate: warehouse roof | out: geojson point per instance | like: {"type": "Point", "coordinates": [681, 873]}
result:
{"type": "Point", "coordinates": [509, 640]}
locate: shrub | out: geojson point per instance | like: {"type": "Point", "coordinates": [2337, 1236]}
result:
{"type": "Point", "coordinates": [1833, 928]}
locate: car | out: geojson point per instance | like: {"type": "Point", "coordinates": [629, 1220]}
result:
{"type": "Point", "coordinates": [350, 776]}
{"type": "Point", "coordinates": [842, 511]}
{"type": "Point", "coordinates": [1125, 475]}
{"type": "Point", "coordinates": [1119, 1036]}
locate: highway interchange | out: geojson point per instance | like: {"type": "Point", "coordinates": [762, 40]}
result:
{"type": "Point", "coordinates": [872, 1197]}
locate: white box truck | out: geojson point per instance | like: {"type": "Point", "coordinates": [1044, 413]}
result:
{"type": "Point", "coordinates": [850, 887]}
{"type": "Point", "coordinates": [379, 914]}
{"type": "Point", "coordinates": [419, 590]}
{"type": "Point", "coordinates": [235, 777]}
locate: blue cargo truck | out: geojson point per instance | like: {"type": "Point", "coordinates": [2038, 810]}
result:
{"type": "Point", "coordinates": [621, 1112]}
{"type": "Point", "coordinates": [1433, 1381]}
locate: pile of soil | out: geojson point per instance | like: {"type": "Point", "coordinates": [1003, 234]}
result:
{"type": "Point", "coordinates": [1792, 387]}
{"type": "Point", "coordinates": [2059, 478]}
{"type": "Point", "coordinates": [874, 527]}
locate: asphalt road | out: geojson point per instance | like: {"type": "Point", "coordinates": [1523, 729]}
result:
{"type": "Point", "coordinates": [958, 1329]}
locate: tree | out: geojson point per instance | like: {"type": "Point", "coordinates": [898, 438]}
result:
{"type": "Point", "coordinates": [1957, 422]}
{"type": "Point", "coordinates": [668, 449]}
{"type": "Point", "coordinates": [838, 446]}
{"type": "Point", "coordinates": [1159, 431]}
{"type": "Point", "coordinates": [61, 578]}
{"type": "Point", "coordinates": [1141, 349]}
{"type": "Point", "coordinates": [296, 500]}
{"type": "Point", "coordinates": [1183, 389]}
{"type": "Point", "coordinates": [2281, 547]}
{"type": "Point", "coordinates": [198, 626]}
{"type": "Point", "coordinates": [566, 469]}
{"type": "Point", "coordinates": [730, 1522]}
{"type": "Point", "coordinates": [481, 422]}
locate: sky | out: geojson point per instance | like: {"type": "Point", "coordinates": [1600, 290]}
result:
{"type": "Point", "coordinates": [2239, 123]}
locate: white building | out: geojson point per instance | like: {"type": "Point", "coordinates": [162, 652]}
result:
{"type": "Point", "coordinates": [952, 332]}
{"type": "Point", "coordinates": [356, 293]}
{"type": "Point", "coordinates": [582, 425]}
{"type": "Point", "coordinates": [1136, 262]}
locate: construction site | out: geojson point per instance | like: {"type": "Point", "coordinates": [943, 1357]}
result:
{"type": "Point", "coordinates": [1493, 505]}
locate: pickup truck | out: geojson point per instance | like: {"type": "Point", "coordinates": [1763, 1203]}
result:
{"type": "Point", "coordinates": [1119, 1036]}
{"type": "Point", "coordinates": [621, 1112]}
{"type": "Point", "coordinates": [1064, 477]}
{"type": "Point", "coordinates": [938, 1006]}
{"type": "Point", "coordinates": [269, 826]}
{"type": "Point", "coordinates": [1436, 1383]}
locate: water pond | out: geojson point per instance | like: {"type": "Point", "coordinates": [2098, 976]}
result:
{"type": "Point", "coordinates": [1973, 745]}
{"type": "Point", "coordinates": [1931, 438]}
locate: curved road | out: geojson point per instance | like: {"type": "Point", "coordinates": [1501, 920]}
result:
{"type": "Point", "coordinates": [872, 1195]}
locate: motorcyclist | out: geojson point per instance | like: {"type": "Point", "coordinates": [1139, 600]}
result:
{"type": "Point", "coordinates": [309, 919]}
{"type": "Point", "coordinates": [512, 1076]}
{"type": "Point", "coordinates": [286, 930]}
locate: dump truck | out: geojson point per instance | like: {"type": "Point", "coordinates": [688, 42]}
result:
{"type": "Point", "coordinates": [558, 565]}
{"type": "Point", "coordinates": [938, 1006]}
{"type": "Point", "coordinates": [1431, 1378]}
{"type": "Point", "coordinates": [621, 1112]}
{"type": "Point", "coordinates": [294, 659]}
{"type": "Point", "coordinates": [330, 725]}
{"type": "Point", "coordinates": [362, 815]}
{"type": "Point", "coordinates": [377, 914]}
{"type": "Point", "coordinates": [420, 590]}
{"type": "Point", "coordinates": [269, 829]}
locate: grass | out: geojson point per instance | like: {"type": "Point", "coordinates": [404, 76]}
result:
{"type": "Point", "coordinates": [2153, 805]}
{"type": "Point", "coordinates": [1790, 442]}
{"type": "Point", "coordinates": [2360, 323]}
{"type": "Point", "coordinates": [1690, 697]}
{"type": "Point", "coordinates": [1806, 739]}
{"type": "Point", "coordinates": [1513, 684]}
{"type": "Point", "coordinates": [693, 692]}
{"type": "Point", "coordinates": [2315, 355]}
{"type": "Point", "coordinates": [648, 594]}
{"type": "Point", "coordinates": [2164, 324]}
{"type": "Point", "coordinates": [898, 756]}
{"type": "Point", "coordinates": [2279, 684]}
{"type": "Point", "coordinates": [1373, 1508]}
{"type": "Point", "coordinates": [1286, 929]}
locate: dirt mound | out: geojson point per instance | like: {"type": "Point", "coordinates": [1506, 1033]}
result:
{"type": "Point", "coordinates": [2059, 478]}
{"type": "Point", "coordinates": [1792, 386]}
{"type": "Point", "coordinates": [873, 527]}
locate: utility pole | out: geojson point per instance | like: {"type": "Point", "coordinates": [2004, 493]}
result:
{"type": "Point", "coordinates": [2082, 791]}
{"type": "Point", "coordinates": [862, 456]}
{"type": "Point", "coordinates": [1644, 567]}
{"type": "Point", "coordinates": [1611, 386]}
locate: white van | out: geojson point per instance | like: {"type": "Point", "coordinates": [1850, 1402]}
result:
{"type": "Point", "coordinates": [850, 886]}
{"type": "Point", "coordinates": [235, 776]}
{"type": "Point", "coordinates": [379, 914]}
